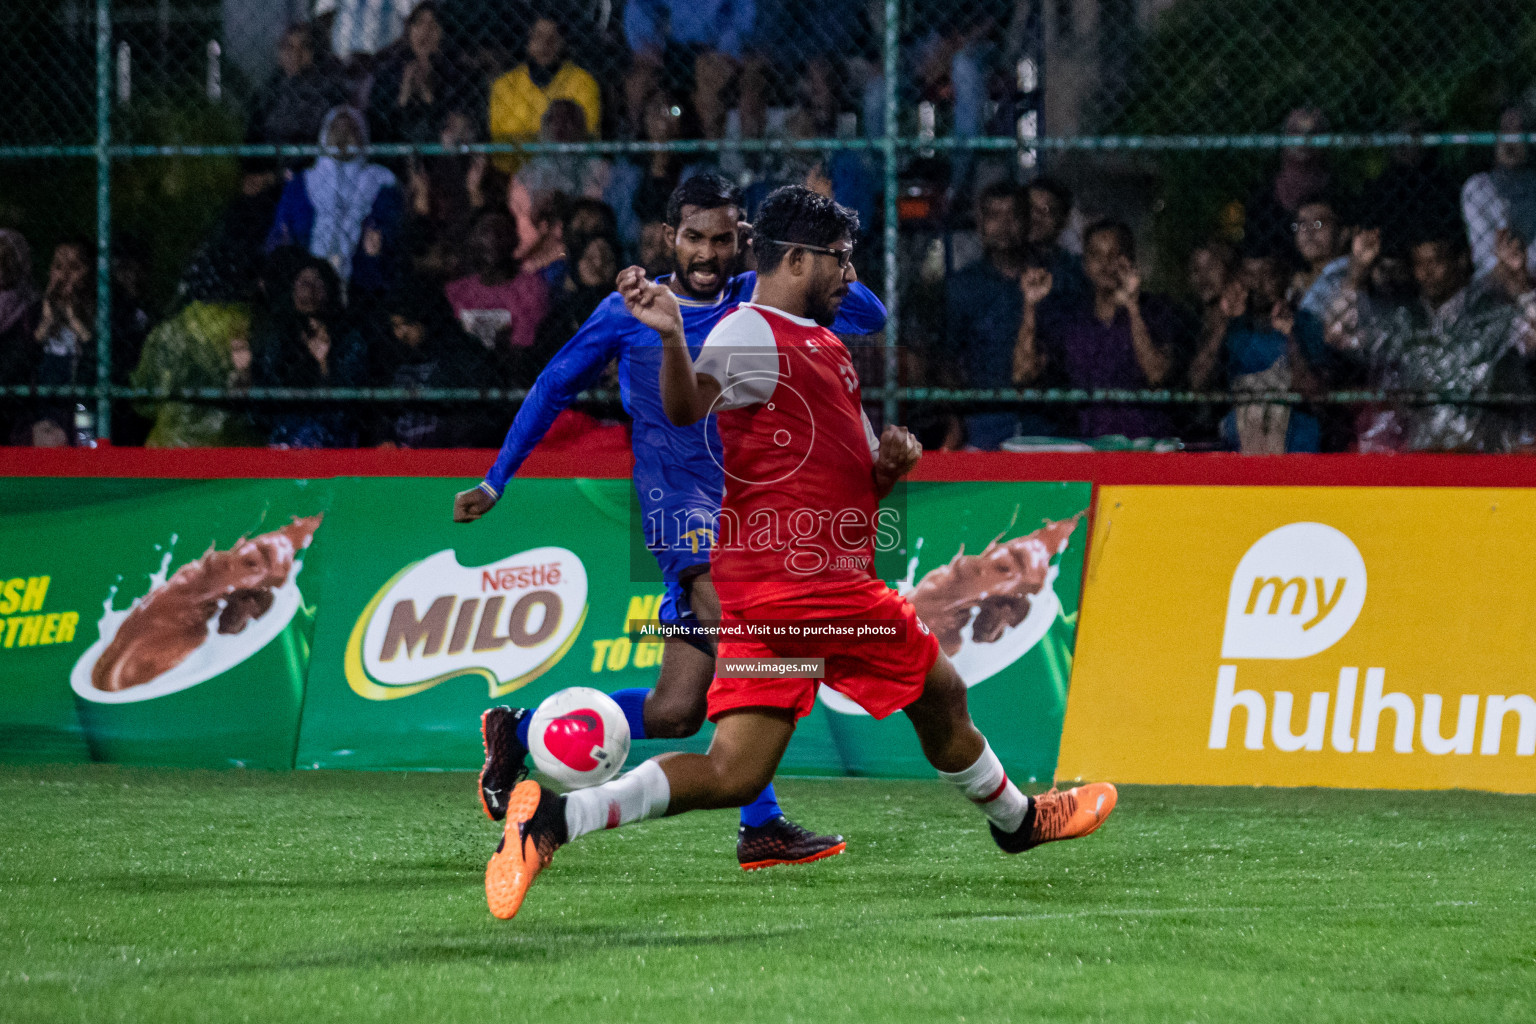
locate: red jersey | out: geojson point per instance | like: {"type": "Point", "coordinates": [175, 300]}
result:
{"type": "Point", "coordinates": [800, 507]}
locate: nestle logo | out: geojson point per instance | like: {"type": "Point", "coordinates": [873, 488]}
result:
{"type": "Point", "coordinates": [520, 577]}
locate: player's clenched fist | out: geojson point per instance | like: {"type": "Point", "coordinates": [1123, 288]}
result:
{"type": "Point", "coordinates": [899, 452]}
{"type": "Point", "coordinates": [471, 505]}
{"type": "Point", "coordinates": [652, 304]}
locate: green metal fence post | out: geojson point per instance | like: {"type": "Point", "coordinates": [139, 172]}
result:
{"type": "Point", "coordinates": [103, 218]}
{"type": "Point", "coordinates": [892, 275]}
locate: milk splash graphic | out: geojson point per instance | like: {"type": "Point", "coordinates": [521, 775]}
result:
{"type": "Point", "coordinates": [977, 661]}
{"type": "Point", "coordinates": [217, 654]}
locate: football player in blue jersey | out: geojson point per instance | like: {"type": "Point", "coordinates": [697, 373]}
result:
{"type": "Point", "coordinates": [679, 483]}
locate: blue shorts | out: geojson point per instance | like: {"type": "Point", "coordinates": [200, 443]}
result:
{"type": "Point", "coordinates": [675, 607]}
{"type": "Point", "coordinates": [679, 531]}
{"type": "Point", "coordinates": [680, 560]}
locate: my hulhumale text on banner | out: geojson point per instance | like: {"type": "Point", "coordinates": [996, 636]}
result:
{"type": "Point", "coordinates": [1370, 637]}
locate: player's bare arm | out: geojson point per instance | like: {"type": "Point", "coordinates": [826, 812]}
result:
{"type": "Point", "coordinates": [686, 396]}
{"type": "Point", "coordinates": [899, 452]}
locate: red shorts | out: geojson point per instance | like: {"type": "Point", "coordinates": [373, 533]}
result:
{"type": "Point", "coordinates": [881, 676]}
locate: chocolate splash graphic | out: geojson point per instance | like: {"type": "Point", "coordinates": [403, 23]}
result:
{"type": "Point", "coordinates": [172, 620]}
{"type": "Point", "coordinates": [1000, 583]}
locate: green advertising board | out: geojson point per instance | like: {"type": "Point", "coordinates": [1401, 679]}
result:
{"type": "Point", "coordinates": [350, 623]}
{"type": "Point", "coordinates": [428, 622]}
{"type": "Point", "coordinates": [156, 621]}
{"type": "Point", "coordinates": [1017, 670]}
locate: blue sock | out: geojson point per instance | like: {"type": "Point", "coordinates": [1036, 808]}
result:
{"type": "Point", "coordinates": [633, 704]}
{"type": "Point", "coordinates": [762, 810]}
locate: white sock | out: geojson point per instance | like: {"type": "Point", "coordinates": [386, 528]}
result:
{"type": "Point", "coordinates": [643, 793]}
{"type": "Point", "coordinates": [986, 785]}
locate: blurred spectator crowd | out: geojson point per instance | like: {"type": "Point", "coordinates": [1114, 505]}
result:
{"type": "Point", "coordinates": [1414, 284]}
{"type": "Point", "coordinates": [465, 271]}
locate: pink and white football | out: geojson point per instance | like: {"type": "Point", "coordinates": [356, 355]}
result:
{"type": "Point", "coordinates": [579, 737]}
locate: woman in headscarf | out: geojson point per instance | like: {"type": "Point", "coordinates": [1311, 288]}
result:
{"type": "Point", "coordinates": [205, 345]}
{"type": "Point", "coordinates": [639, 186]}
{"type": "Point", "coordinates": [591, 264]}
{"type": "Point", "coordinates": [574, 174]}
{"type": "Point", "coordinates": [303, 338]}
{"type": "Point", "coordinates": [343, 209]}
{"type": "Point", "coordinates": [500, 301]}
{"type": "Point", "coordinates": [420, 346]}
{"type": "Point", "coordinates": [417, 84]}
{"type": "Point", "coordinates": [445, 194]}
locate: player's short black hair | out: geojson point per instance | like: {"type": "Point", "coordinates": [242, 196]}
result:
{"type": "Point", "coordinates": [795, 213]}
{"type": "Point", "coordinates": [706, 190]}
{"type": "Point", "coordinates": [1119, 228]}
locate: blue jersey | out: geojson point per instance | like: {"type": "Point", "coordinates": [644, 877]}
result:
{"type": "Point", "coordinates": [674, 468]}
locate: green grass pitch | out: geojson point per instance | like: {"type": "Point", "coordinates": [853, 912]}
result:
{"type": "Point", "coordinates": [137, 895]}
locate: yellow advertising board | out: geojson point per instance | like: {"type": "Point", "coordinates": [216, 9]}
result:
{"type": "Point", "coordinates": [1308, 636]}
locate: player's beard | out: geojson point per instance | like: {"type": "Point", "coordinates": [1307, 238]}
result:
{"type": "Point", "coordinates": [685, 278]}
{"type": "Point", "coordinates": [824, 309]}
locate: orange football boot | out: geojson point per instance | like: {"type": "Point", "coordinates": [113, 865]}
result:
{"type": "Point", "coordinates": [1057, 815]}
{"type": "Point", "coordinates": [535, 830]}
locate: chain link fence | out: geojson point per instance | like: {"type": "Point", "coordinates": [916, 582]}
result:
{"type": "Point", "coordinates": [1270, 226]}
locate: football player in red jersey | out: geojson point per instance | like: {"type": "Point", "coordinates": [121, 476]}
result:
{"type": "Point", "coordinates": [795, 546]}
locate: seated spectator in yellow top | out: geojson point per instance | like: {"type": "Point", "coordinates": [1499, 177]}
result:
{"type": "Point", "coordinates": [520, 97]}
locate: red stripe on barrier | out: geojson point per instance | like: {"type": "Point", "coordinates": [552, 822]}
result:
{"type": "Point", "coordinates": [605, 454]}
{"type": "Point", "coordinates": [1219, 468]}
{"type": "Point", "coordinates": [606, 457]}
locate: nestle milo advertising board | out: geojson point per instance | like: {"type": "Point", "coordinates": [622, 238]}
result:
{"type": "Point", "coordinates": [156, 622]}
{"type": "Point", "coordinates": [430, 622]}
{"type": "Point", "coordinates": [351, 623]}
